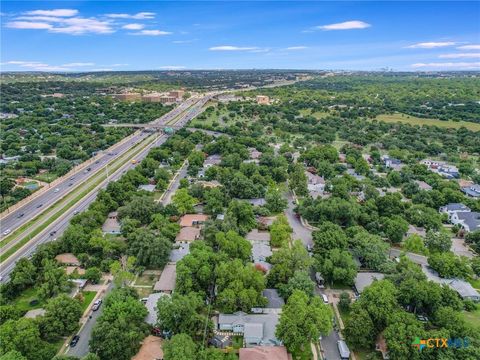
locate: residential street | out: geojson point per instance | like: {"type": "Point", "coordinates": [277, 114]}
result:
{"type": "Point", "coordinates": [81, 349]}
{"type": "Point", "coordinates": [328, 343]}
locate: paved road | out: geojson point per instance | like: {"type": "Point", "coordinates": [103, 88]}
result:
{"type": "Point", "coordinates": [299, 231]}
{"type": "Point", "coordinates": [62, 223]}
{"type": "Point", "coordinates": [82, 347]}
{"type": "Point", "coordinates": [18, 217]}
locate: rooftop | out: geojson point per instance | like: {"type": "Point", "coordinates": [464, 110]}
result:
{"type": "Point", "coordinates": [149, 188]}
{"type": "Point", "coordinates": [264, 353]}
{"type": "Point", "coordinates": [365, 279]}
{"type": "Point", "coordinates": [275, 301]}
{"type": "Point", "coordinates": [255, 235]}
{"type": "Point", "coordinates": [192, 219]}
{"type": "Point", "coordinates": [166, 283]}
{"type": "Point", "coordinates": [151, 349]}
{"type": "Point", "coordinates": [67, 259]}
{"type": "Point", "coordinates": [151, 306]}
{"type": "Point", "coordinates": [188, 233]}
{"type": "Point", "coordinates": [179, 251]}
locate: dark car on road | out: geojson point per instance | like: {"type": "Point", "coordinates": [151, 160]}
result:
{"type": "Point", "coordinates": [74, 340]}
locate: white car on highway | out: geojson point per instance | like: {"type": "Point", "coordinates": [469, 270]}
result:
{"type": "Point", "coordinates": [6, 232]}
{"type": "Point", "coordinates": [56, 190]}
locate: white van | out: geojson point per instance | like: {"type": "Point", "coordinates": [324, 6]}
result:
{"type": "Point", "coordinates": [343, 350]}
{"type": "Point", "coordinates": [325, 298]}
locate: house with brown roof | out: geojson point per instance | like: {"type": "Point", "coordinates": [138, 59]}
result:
{"type": "Point", "coordinates": [264, 353]}
{"type": "Point", "coordinates": [193, 220]}
{"type": "Point", "coordinates": [151, 349]}
{"type": "Point", "coordinates": [166, 283]}
{"type": "Point", "coordinates": [188, 234]}
{"type": "Point", "coordinates": [67, 259]}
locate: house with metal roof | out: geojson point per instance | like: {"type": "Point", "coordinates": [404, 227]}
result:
{"type": "Point", "coordinates": [166, 283]}
{"type": "Point", "coordinates": [472, 191]}
{"type": "Point", "coordinates": [260, 253]}
{"type": "Point", "coordinates": [453, 208]}
{"type": "Point", "coordinates": [257, 329]}
{"type": "Point", "coordinates": [470, 221]}
{"type": "Point", "coordinates": [364, 279]}
{"type": "Point", "coordinates": [465, 290]}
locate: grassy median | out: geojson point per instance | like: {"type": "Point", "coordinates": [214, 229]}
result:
{"type": "Point", "coordinates": [71, 199]}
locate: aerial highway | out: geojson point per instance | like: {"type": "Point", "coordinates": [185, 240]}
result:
{"type": "Point", "coordinates": [21, 215]}
{"type": "Point", "coordinates": [181, 116]}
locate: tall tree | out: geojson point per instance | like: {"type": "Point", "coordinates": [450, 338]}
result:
{"type": "Point", "coordinates": [303, 320]}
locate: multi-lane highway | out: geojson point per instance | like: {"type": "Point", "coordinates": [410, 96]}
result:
{"type": "Point", "coordinates": [36, 206]}
{"type": "Point", "coordinates": [178, 117]}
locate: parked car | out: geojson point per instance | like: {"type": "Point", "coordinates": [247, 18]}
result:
{"type": "Point", "coordinates": [96, 304]}
{"type": "Point", "coordinates": [74, 340]}
{"type": "Point", "coordinates": [325, 298]}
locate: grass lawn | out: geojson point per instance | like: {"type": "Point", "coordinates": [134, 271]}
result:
{"type": "Point", "coordinates": [87, 298]}
{"type": "Point", "coordinates": [237, 342]}
{"type": "Point", "coordinates": [23, 301]}
{"type": "Point", "coordinates": [146, 279]}
{"type": "Point", "coordinates": [475, 283]}
{"type": "Point", "coordinates": [316, 114]}
{"type": "Point", "coordinates": [367, 354]}
{"type": "Point", "coordinates": [345, 314]}
{"type": "Point", "coordinates": [46, 177]}
{"type": "Point", "coordinates": [431, 122]}
{"type": "Point", "coordinates": [143, 292]}
{"type": "Point", "coordinates": [473, 318]}
{"type": "Point", "coordinates": [306, 354]}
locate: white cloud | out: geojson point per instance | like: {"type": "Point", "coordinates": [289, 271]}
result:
{"type": "Point", "coordinates": [431, 45]}
{"type": "Point", "coordinates": [184, 41]}
{"type": "Point", "coordinates": [79, 64]}
{"type": "Point", "coordinates": [152, 33]}
{"type": "Point", "coordinates": [347, 25]}
{"type": "Point", "coordinates": [449, 65]}
{"type": "Point", "coordinates": [137, 16]}
{"type": "Point", "coordinates": [28, 25]}
{"type": "Point", "coordinates": [460, 56]}
{"type": "Point", "coordinates": [172, 67]}
{"type": "Point", "coordinates": [233, 48]}
{"type": "Point", "coordinates": [296, 48]}
{"type": "Point", "coordinates": [56, 12]}
{"type": "Point", "coordinates": [133, 26]}
{"type": "Point", "coordinates": [469, 47]}
{"type": "Point", "coordinates": [79, 26]}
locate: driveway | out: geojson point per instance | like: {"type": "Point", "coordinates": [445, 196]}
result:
{"type": "Point", "coordinates": [299, 231]}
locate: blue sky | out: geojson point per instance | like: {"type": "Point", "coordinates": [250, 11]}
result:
{"type": "Point", "coordinates": [155, 35]}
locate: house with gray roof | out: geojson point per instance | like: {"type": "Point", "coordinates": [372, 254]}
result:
{"type": "Point", "coordinates": [365, 279]}
{"type": "Point", "coordinates": [472, 191]}
{"type": "Point", "coordinates": [452, 208]}
{"type": "Point", "coordinates": [179, 251]}
{"type": "Point", "coordinates": [151, 306]}
{"type": "Point", "coordinates": [260, 253]}
{"type": "Point", "coordinates": [111, 224]}
{"type": "Point", "coordinates": [470, 221]}
{"type": "Point", "coordinates": [465, 290]}
{"type": "Point", "coordinates": [257, 329]}
{"type": "Point", "coordinates": [149, 188]}
{"type": "Point", "coordinates": [275, 301]}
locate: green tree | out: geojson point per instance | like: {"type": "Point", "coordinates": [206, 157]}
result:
{"type": "Point", "coordinates": [338, 266]}
{"type": "Point", "coordinates": [93, 274]}
{"type": "Point", "coordinates": [54, 280]}
{"type": "Point", "coordinates": [13, 355]}
{"type": "Point", "coordinates": [61, 318]}
{"type": "Point", "coordinates": [448, 265]}
{"type": "Point", "coordinates": [303, 320]}
{"type": "Point", "coordinates": [24, 274]}
{"type": "Point", "coordinates": [182, 314]}
{"type": "Point", "coordinates": [286, 261]}
{"type": "Point", "coordinates": [180, 347]}
{"type": "Point", "coordinates": [275, 201]}
{"type": "Point", "coordinates": [371, 249]}
{"type": "Point", "coordinates": [299, 281]}
{"type": "Point", "coordinates": [240, 216]}
{"type": "Point", "coordinates": [329, 236]}
{"type": "Point", "coordinates": [414, 243]}
{"type": "Point", "coordinates": [395, 228]}
{"type": "Point", "coordinates": [359, 337]}
{"type": "Point", "coordinates": [438, 241]}
{"type": "Point", "coordinates": [400, 333]}
{"type": "Point", "coordinates": [183, 201]}
{"type": "Point", "coordinates": [379, 300]}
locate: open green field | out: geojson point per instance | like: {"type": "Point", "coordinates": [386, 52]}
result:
{"type": "Point", "coordinates": [317, 114]}
{"type": "Point", "coordinates": [473, 318]}
{"type": "Point", "coordinates": [24, 299]}
{"type": "Point", "coordinates": [412, 120]}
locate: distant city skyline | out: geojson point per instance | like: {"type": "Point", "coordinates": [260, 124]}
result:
{"type": "Point", "coordinates": [160, 35]}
